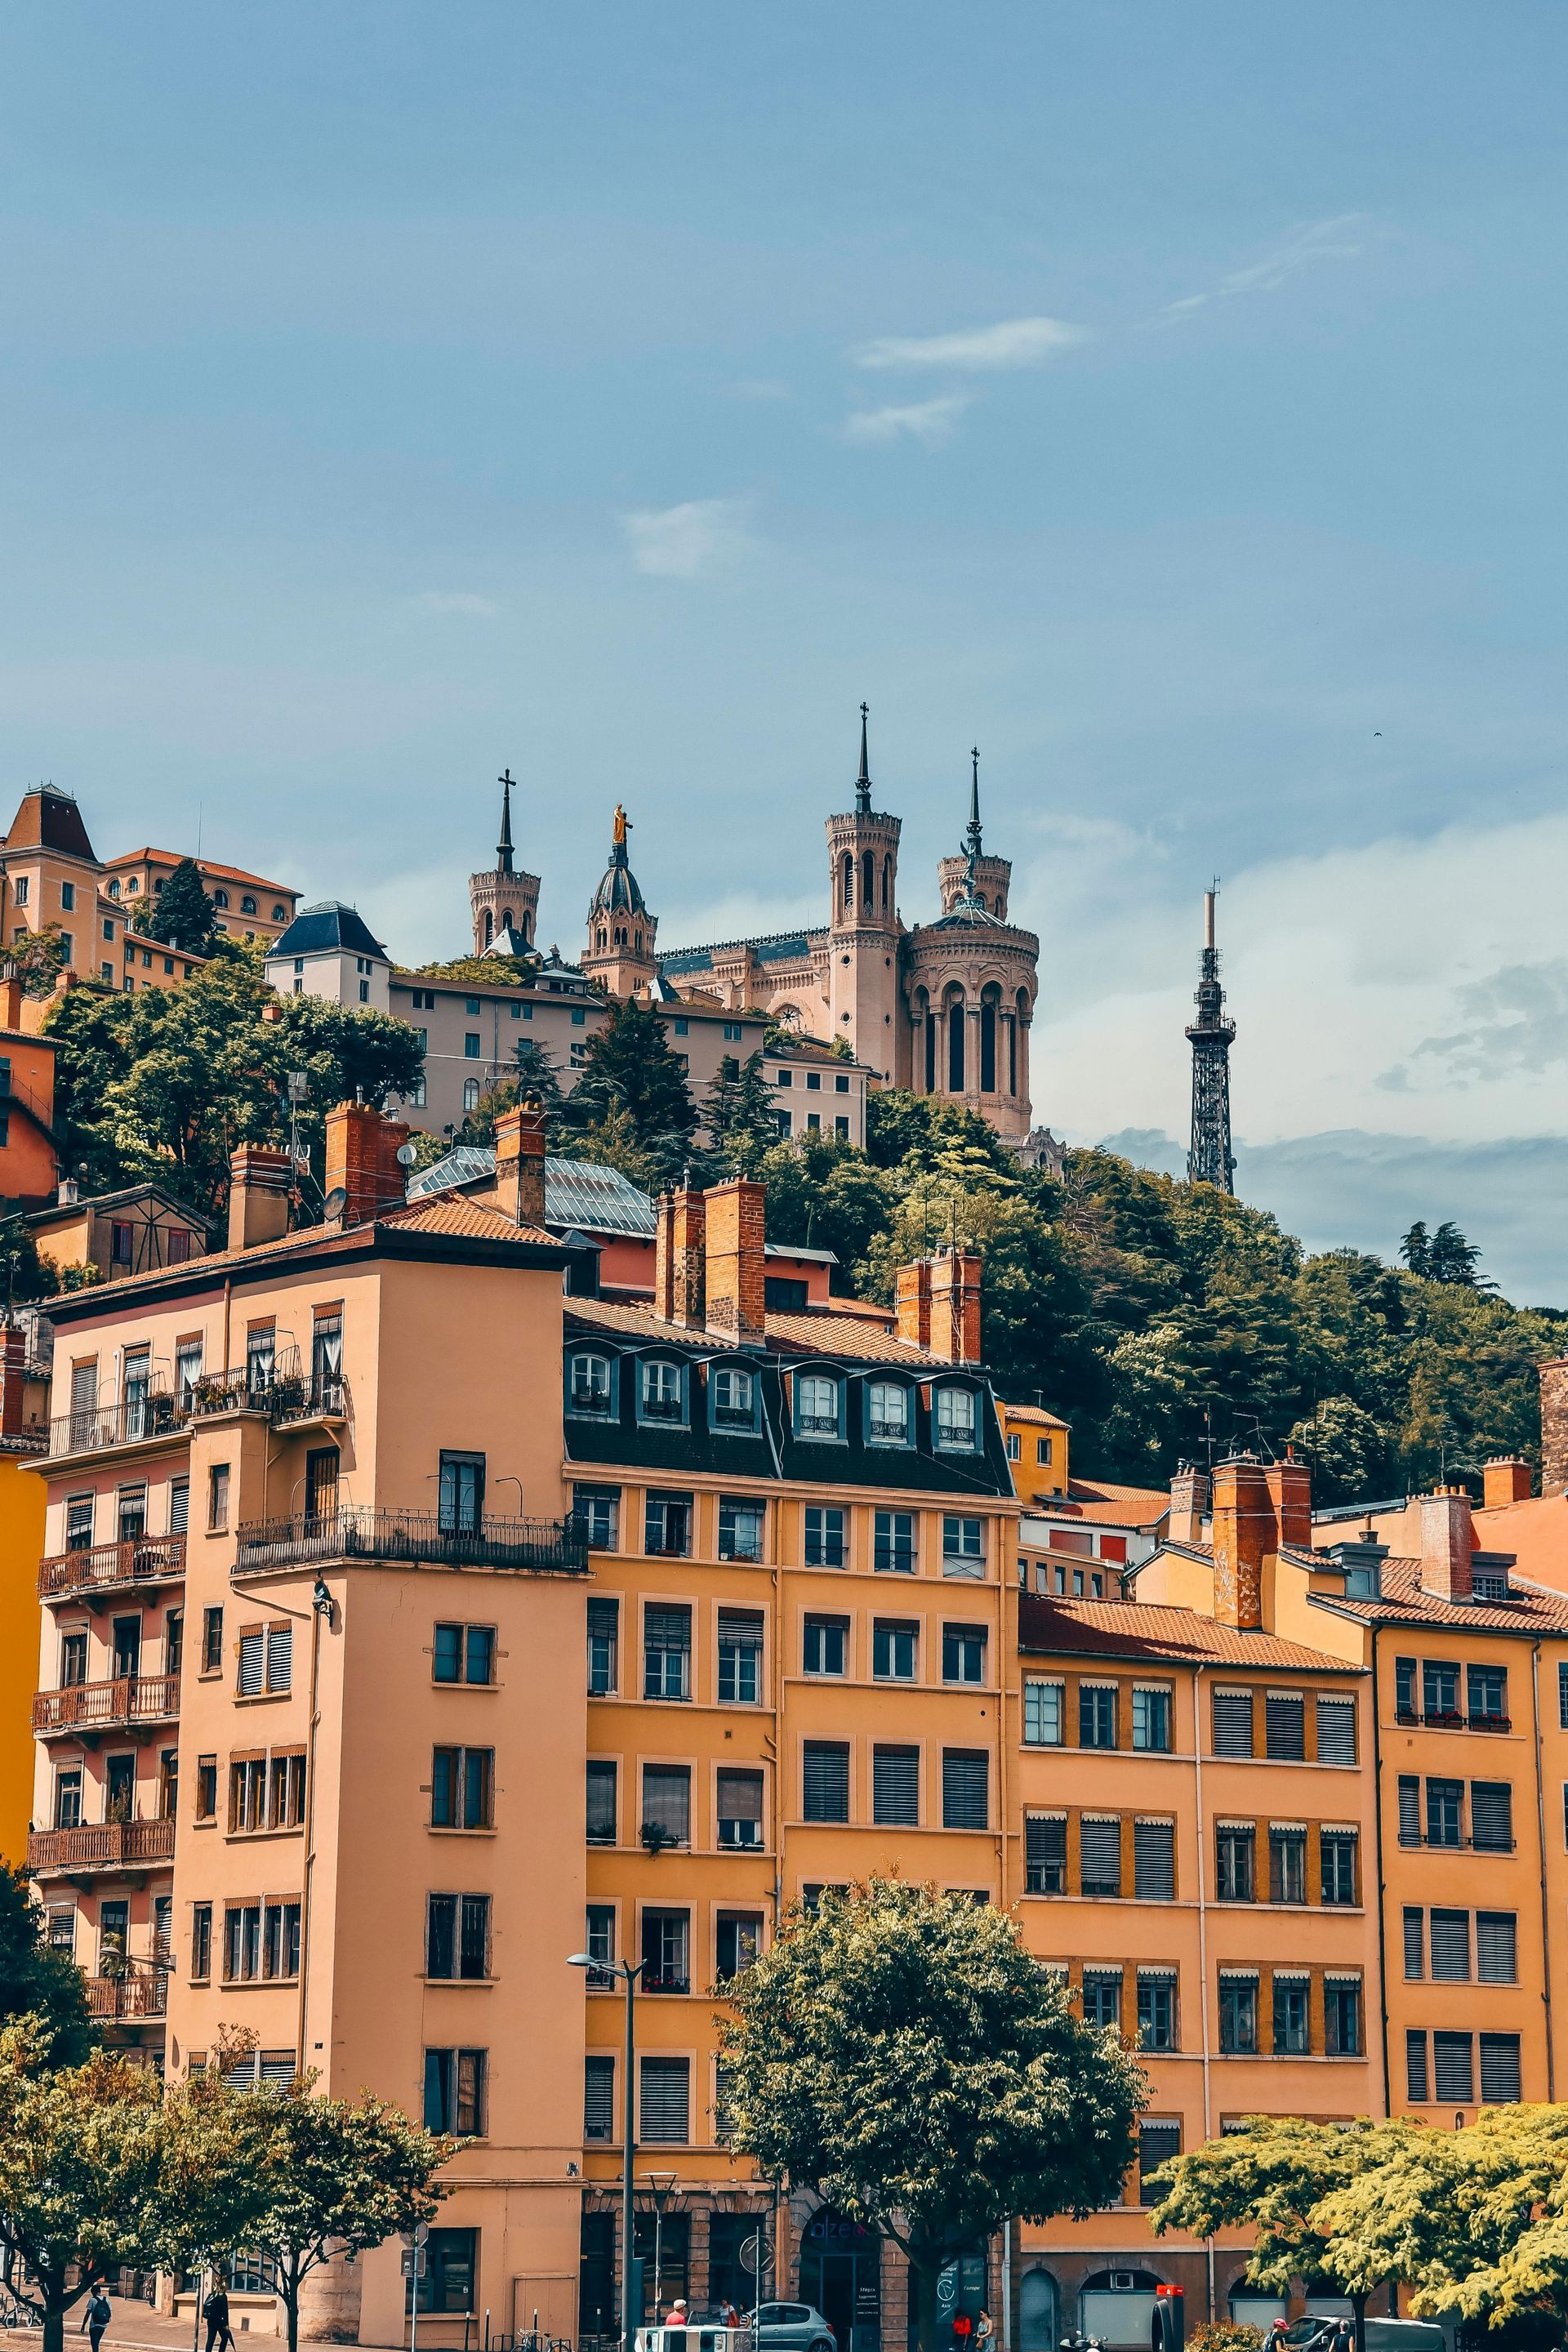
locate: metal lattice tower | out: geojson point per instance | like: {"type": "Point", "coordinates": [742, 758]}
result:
{"type": "Point", "coordinates": [1209, 1155]}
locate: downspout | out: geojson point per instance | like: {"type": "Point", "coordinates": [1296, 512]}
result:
{"type": "Point", "coordinates": [316, 1615]}
{"type": "Point", "coordinates": [1381, 1887]}
{"type": "Point", "coordinates": [1541, 1832]}
{"type": "Point", "coordinates": [1202, 1944]}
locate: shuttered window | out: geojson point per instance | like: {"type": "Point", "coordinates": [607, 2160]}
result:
{"type": "Point", "coordinates": [1416, 2088]}
{"type": "Point", "coordinates": [825, 1785]}
{"type": "Point", "coordinates": [1492, 1815]}
{"type": "Point", "coordinates": [252, 1663]}
{"type": "Point", "coordinates": [1500, 2069]}
{"type": "Point", "coordinates": [1414, 1940]}
{"type": "Point", "coordinates": [1100, 1997]}
{"type": "Point", "coordinates": [1453, 2069]}
{"type": "Point", "coordinates": [741, 1809]}
{"type": "Point", "coordinates": [667, 1801]}
{"type": "Point", "coordinates": [280, 1657]}
{"type": "Point", "coordinates": [966, 1788]}
{"type": "Point", "coordinates": [1285, 1728]}
{"type": "Point", "coordinates": [598, 2098]}
{"type": "Point", "coordinates": [1409, 1809]}
{"type": "Point", "coordinates": [179, 1507]}
{"type": "Point", "coordinates": [1497, 1947]}
{"type": "Point", "coordinates": [896, 1785]}
{"type": "Point", "coordinates": [1156, 2142]}
{"type": "Point", "coordinates": [603, 1644]}
{"type": "Point", "coordinates": [1449, 1932]}
{"type": "Point", "coordinates": [1154, 1860]}
{"type": "Point", "coordinates": [667, 1652]}
{"type": "Point", "coordinates": [1337, 1853]}
{"type": "Point", "coordinates": [740, 1656]}
{"type": "Point", "coordinates": [1233, 1723]}
{"type": "Point", "coordinates": [1099, 1856]}
{"type": "Point", "coordinates": [1045, 1854]}
{"type": "Point", "coordinates": [1336, 1732]}
{"type": "Point", "coordinates": [666, 2105]}
{"type": "Point", "coordinates": [602, 1823]}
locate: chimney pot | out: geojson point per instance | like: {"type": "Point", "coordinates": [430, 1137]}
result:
{"type": "Point", "coordinates": [735, 1217]}
{"type": "Point", "coordinates": [1448, 1539]}
{"type": "Point", "coordinates": [260, 1181]}
{"type": "Point", "coordinates": [1189, 1505]}
{"type": "Point", "coordinates": [955, 1306]}
{"type": "Point", "coordinates": [362, 1161]}
{"type": "Point", "coordinates": [519, 1164]}
{"type": "Point", "coordinates": [1505, 1479]}
{"type": "Point", "coordinates": [1290, 1486]}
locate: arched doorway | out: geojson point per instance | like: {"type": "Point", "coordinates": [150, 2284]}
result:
{"type": "Point", "coordinates": [1037, 2312]}
{"type": "Point", "coordinates": [1118, 2307]}
{"type": "Point", "coordinates": [841, 2273]}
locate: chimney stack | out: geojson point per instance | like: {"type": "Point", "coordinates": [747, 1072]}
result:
{"type": "Point", "coordinates": [1189, 1506]}
{"type": "Point", "coordinates": [1448, 1539]}
{"type": "Point", "coordinates": [955, 1306]}
{"type": "Point", "coordinates": [1505, 1479]}
{"type": "Point", "coordinates": [362, 1161]}
{"type": "Point", "coordinates": [1554, 1425]}
{"type": "Point", "coordinates": [1290, 1486]}
{"type": "Point", "coordinates": [1243, 1530]}
{"type": "Point", "coordinates": [736, 1279]}
{"type": "Point", "coordinates": [914, 1303]}
{"type": "Point", "coordinates": [680, 1269]}
{"type": "Point", "coordinates": [519, 1164]}
{"type": "Point", "coordinates": [260, 1181]}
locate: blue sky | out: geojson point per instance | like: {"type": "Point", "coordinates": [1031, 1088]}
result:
{"type": "Point", "coordinates": [1167, 399]}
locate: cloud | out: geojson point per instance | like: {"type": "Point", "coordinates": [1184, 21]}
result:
{"type": "Point", "coordinates": [701, 535]}
{"type": "Point", "coordinates": [928, 421]}
{"type": "Point", "coordinates": [441, 600]}
{"type": "Point", "coordinates": [1517, 1024]}
{"type": "Point", "coordinates": [1341, 238]}
{"type": "Point", "coordinates": [1011, 343]}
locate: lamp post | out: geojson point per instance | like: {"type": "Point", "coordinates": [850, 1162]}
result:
{"type": "Point", "coordinates": [629, 1971]}
{"type": "Point", "coordinates": [661, 2187]}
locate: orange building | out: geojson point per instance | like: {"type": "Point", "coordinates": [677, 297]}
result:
{"type": "Point", "coordinates": [28, 1159]}
{"type": "Point", "coordinates": [1036, 1443]}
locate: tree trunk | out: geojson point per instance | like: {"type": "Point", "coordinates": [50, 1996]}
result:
{"type": "Point", "coordinates": [1358, 2321]}
{"type": "Point", "coordinates": [289, 2289]}
{"type": "Point", "coordinates": [53, 2326]}
{"type": "Point", "coordinates": [924, 2274]}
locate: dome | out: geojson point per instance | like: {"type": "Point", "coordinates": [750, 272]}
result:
{"type": "Point", "coordinates": [617, 893]}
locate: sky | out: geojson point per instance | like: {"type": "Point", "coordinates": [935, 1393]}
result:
{"type": "Point", "coordinates": [1168, 401]}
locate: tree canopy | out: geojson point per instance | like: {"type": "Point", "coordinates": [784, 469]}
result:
{"type": "Point", "coordinates": [35, 1977]}
{"type": "Point", "coordinates": [632, 1076]}
{"type": "Point", "coordinates": [740, 1117]}
{"type": "Point", "coordinates": [183, 914]}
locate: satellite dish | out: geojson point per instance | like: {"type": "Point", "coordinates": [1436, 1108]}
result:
{"type": "Point", "coordinates": [336, 1202]}
{"type": "Point", "coordinates": [407, 1155]}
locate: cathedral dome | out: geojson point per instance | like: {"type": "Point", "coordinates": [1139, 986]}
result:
{"type": "Point", "coordinates": [619, 892]}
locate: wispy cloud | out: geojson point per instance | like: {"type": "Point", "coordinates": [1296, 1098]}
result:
{"type": "Point", "coordinates": [442, 599]}
{"type": "Point", "coordinates": [930, 422]}
{"type": "Point", "coordinates": [682, 543]}
{"type": "Point", "coordinates": [1011, 343]}
{"type": "Point", "coordinates": [1342, 239]}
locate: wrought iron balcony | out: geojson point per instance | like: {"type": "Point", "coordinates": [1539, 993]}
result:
{"type": "Point", "coordinates": [113, 1567]}
{"type": "Point", "coordinates": [127, 1699]}
{"type": "Point", "coordinates": [101, 1845]}
{"type": "Point", "coordinates": [139, 1419]}
{"type": "Point", "coordinates": [279, 1386]}
{"type": "Point", "coordinates": [352, 1533]}
{"type": "Point", "coordinates": [127, 1998]}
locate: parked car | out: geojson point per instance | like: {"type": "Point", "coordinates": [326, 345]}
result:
{"type": "Point", "coordinates": [794, 2327]}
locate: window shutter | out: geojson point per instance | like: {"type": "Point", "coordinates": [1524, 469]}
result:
{"type": "Point", "coordinates": [604, 1618]}
{"type": "Point", "coordinates": [1336, 1732]}
{"type": "Point", "coordinates": [1497, 1953]}
{"type": "Point", "coordinates": [1409, 1809]}
{"type": "Point", "coordinates": [598, 2098]}
{"type": "Point", "coordinates": [966, 1788]}
{"type": "Point", "coordinates": [252, 1665]}
{"type": "Point", "coordinates": [666, 2101]}
{"type": "Point", "coordinates": [1100, 1857]}
{"type": "Point", "coordinates": [179, 1507]}
{"type": "Point", "coordinates": [1500, 2069]}
{"type": "Point", "coordinates": [743, 1628]}
{"type": "Point", "coordinates": [1415, 1954]}
{"type": "Point", "coordinates": [474, 1949]}
{"type": "Point", "coordinates": [1285, 1728]}
{"type": "Point", "coordinates": [741, 1809]}
{"type": "Point", "coordinates": [280, 1657]}
{"type": "Point", "coordinates": [1154, 1860]}
{"type": "Point", "coordinates": [667, 1798]}
{"type": "Point", "coordinates": [1233, 1723]}
{"type": "Point", "coordinates": [1156, 2142]}
{"type": "Point", "coordinates": [896, 1785]}
{"type": "Point", "coordinates": [668, 1629]}
{"type": "Point", "coordinates": [1415, 2085]}
{"type": "Point", "coordinates": [1450, 1934]}
{"type": "Point", "coordinates": [1046, 1853]}
{"type": "Point", "coordinates": [1492, 1815]}
{"type": "Point", "coordinates": [1453, 2069]}
{"type": "Point", "coordinates": [826, 1780]}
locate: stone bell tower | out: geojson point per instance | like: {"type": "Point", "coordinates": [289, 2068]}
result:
{"type": "Point", "coordinates": [504, 902]}
{"type": "Point", "coordinates": [863, 924]}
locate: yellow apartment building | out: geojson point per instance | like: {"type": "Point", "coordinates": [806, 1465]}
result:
{"type": "Point", "coordinates": [1036, 1442]}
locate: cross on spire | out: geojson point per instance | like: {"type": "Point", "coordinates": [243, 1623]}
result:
{"type": "Point", "coordinates": [863, 781]}
{"type": "Point", "coordinates": [503, 847]}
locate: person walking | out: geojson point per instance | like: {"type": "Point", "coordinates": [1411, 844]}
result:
{"type": "Point", "coordinates": [215, 2311]}
{"type": "Point", "coordinates": [96, 2317]}
{"type": "Point", "coordinates": [984, 2331]}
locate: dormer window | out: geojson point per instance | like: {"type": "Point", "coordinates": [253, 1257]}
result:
{"type": "Point", "coordinates": [955, 1423]}
{"type": "Point", "coordinates": [662, 1395]}
{"type": "Point", "coordinates": [817, 1397]}
{"type": "Point", "coordinates": [734, 1392]}
{"type": "Point", "coordinates": [590, 1388]}
{"type": "Point", "coordinates": [887, 1413]}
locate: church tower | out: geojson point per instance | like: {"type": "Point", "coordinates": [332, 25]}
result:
{"type": "Point", "coordinates": [621, 931]}
{"type": "Point", "coordinates": [972, 873]}
{"type": "Point", "coordinates": [504, 902]}
{"type": "Point", "coordinates": [863, 928]}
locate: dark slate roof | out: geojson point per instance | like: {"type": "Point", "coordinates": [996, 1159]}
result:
{"type": "Point", "coordinates": [778, 947]}
{"type": "Point", "coordinates": [50, 820]}
{"type": "Point", "coordinates": [329, 924]}
{"type": "Point", "coordinates": [619, 892]}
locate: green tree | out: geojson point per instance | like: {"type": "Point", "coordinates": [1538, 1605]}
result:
{"type": "Point", "coordinates": [739, 1116]}
{"type": "Point", "coordinates": [37, 1979]}
{"type": "Point", "coordinates": [902, 2052]}
{"type": "Point", "coordinates": [629, 1068]}
{"type": "Point", "coordinates": [1416, 1249]}
{"type": "Point", "coordinates": [38, 958]}
{"type": "Point", "coordinates": [183, 914]}
{"type": "Point", "coordinates": [1345, 1449]}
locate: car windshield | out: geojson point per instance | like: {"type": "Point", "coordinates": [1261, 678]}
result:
{"type": "Point", "coordinates": [1306, 2331]}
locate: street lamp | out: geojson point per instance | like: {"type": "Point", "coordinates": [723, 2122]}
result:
{"type": "Point", "coordinates": [661, 2188]}
{"type": "Point", "coordinates": [629, 1972]}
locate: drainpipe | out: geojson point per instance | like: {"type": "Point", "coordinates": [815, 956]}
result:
{"type": "Point", "coordinates": [1202, 1943]}
{"type": "Point", "coordinates": [1545, 1907]}
{"type": "Point", "coordinates": [1382, 1885]}
{"type": "Point", "coordinates": [316, 1615]}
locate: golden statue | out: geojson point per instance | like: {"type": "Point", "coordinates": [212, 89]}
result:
{"type": "Point", "coordinates": [620, 831]}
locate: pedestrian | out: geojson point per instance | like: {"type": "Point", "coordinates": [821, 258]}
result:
{"type": "Point", "coordinates": [984, 2330]}
{"type": "Point", "coordinates": [963, 2330]}
{"type": "Point", "coordinates": [215, 2311]}
{"type": "Point", "coordinates": [97, 2315]}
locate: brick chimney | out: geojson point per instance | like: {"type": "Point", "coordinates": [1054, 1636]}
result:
{"type": "Point", "coordinates": [736, 1291]}
{"type": "Point", "coordinates": [13, 1363]}
{"type": "Point", "coordinates": [955, 1306]}
{"type": "Point", "coordinates": [914, 1303]}
{"type": "Point", "coordinates": [1244, 1531]}
{"type": "Point", "coordinates": [1290, 1486]}
{"type": "Point", "coordinates": [1189, 1506]}
{"type": "Point", "coordinates": [1554, 1425]}
{"type": "Point", "coordinates": [680, 1269]}
{"type": "Point", "coordinates": [260, 1181]}
{"type": "Point", "coordinates": [519, 1164]}
{"type": "Point", "coordinates": [362, 1158]}
{"type": "Point", "coordinates": [1448, 1539]}
{"type": "Point", "coordinates": [1505, 1479]}
{"type": "Point", "coordinates": [10, 1005]}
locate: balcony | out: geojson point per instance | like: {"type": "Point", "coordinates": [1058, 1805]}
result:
{"type": "Point", "coordinates": [105, 1845]}
{"type": "Point", "coordinates": [152, 1417]}
{"type": "Point", "coordinates": [113, 1567]}
{"type": "Point", "coordinates": [124, 2000]}
{"type": "Point", "coordinates": [128, 1699]}
{"type": "Point", "coordinates": [350, 1534]}
{"type": "Point", "coordinates": [278, 1387]}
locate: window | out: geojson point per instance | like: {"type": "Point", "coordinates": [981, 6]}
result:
{"type": "Point", "coordinates": [1152, 1721]}
{"type": "Point", "coordinates": [120, 1243]}
{"type": "Point", "coordinates": [1341, 2017]}
{"type": "Point", "coordinates": [1286, 1866]}
{"type": "Point", "coordinates": [217, 1496]}
{"type": "Point", "coordinates": [1156, 2144]}
{"type": "Point", "coordinates": [1444, 1811]}
{"type": "Point", "coordinates": [73, 1660]}
{"type": "Point", "coordinates": [1454, 2068]}
{"type": "Point", "coordinates": [1500, 2069]}
{"type": "Point", "coordinates": [1233, 1723]}
{"type": "Point", "coordinates": [247, 1793]}
{"type": "Point", "coordinates": [682, 1026]}
{"type": "Point", "coordinates": [1337, 1850]}
{"type": "Point", "coordinates": [1440, 1691]}
{"type": "Point", "coordinates": [1290, 2015]}
{"type": "Point", "coordinates": [895, 1786]}
{"type": "Point", "coordinates": [1236, 1848]}
{"type": "Point", "coordinates": [1096, 1714]}
{"type": "Point", "coordinates": [895, 1650]}
{"type": "Point", "coordinates": [286, 1790]}
{"type": "Point", "coordinates": [471, 1053]}
{"type": "Point", "coordinates": [601, 1945]}
{"type": "Point", "coordinates": [451, 2259]}
{"type": "Point", "coordinates": [893, 1543]}
{"type": "Point", "coordinates": [667, 1652]}
{"type": "Point", "coordinates": [465, 1654]}
{"type": "Point", "coordinates": [1043, 1707]}
{"type": "Point", "coordinates": [588, 1385]}
{"type": "Point", "coordinates": [1154, 1860]}
{"type": "Point", "coordinates": [78, 1524]}
{"type": "Point", "coordinates": [661, 1394]}
{"type": "Point", "coordinates": [825, 1645]}
{"type": "Point", "coordinates": [667, 1952]}
{"type": "Point", "coordinates": [1157, 2008]}
{"type": "Point", "coordinates": [212, 1640]}
{"type": "Point", "coordinates": [664, 2114]}
{"type": "Point", "coordinates": [598, 2098]}
{"type": "Point", "coordinates": [1101, 1999]}
{"type": "Point", "coordinates": [1496, 1947]}
{"type": "Point", "coordinates": [462, 1493]}
{"type": "Point", "coordinates": [1415, 2083]}
{"type": "Point", "coordinates": [462, 1782]}
{"type": "Point", "coordinates": [455, 2097]}
{"type": "Point", "coordinates": [1409, 1809]}
{"type": "Point", "coordinates": [1563, 1698]}
{"type": "Point", "coordinates": [68, 897]}
{"type": "Point", "coordinates": [1014, 1446]}
{"type": "Point", "coordinates": [456, 1936]}
{"type": "Point", "coordinates": [963, 1654]}
{"type": "Point", "coordinates": [956, 1429]}
{"type": "Point", "coordinates": [817, 1400]}
{"type": "Point", "coordinates": [824, 1537]}
{"type": "Point", "coordinates": [260, 1940]}
{"type": "Point", "coordinates": [23, 884]}
{"type": "Point", "coordinates": [740, 1530]}
{"type": "Point", "coordinates": [206, 1788]}
{"type": "Point", "coordinates": [734, 1398]}
{"type": "Point", "coordinates": [602, 1809]}
{"type": "Point", "coordinates": [1099, 1853]}
{"type": "Point", "coordinates": [67, 1798]}
{"type": "Point", "coordinates": [887, 1412]}
{"type": "Point", "coordinates": [1492, 1815]}
{"type": "Point", "coordinates": [737, 1940]}
{"type": "Point", "coordinates": [266, 1660]}
{"type": "Point", "coordinates": [1486, 1694]}
{"type": "Point", "coordinates": [597, 1511]}
{"type": "Point", "coordinates": [666, 1805]}
{"type": "Point", "coordinates": [1285, 1726]}
{"type": "Point", "coordinates": [963, 1547]}
{"type": "Point", "coordinates": [1405, 1689]}
{"type": "Point", "coordinates": [1336, 1732]}
{"type": "Point", "coordinates": [201, 1941]}
{"type": "Point", "coordinates": [740, 1656]}
{"type": "Point", "coordinates": [740, 1799]}
{"type": "Point", "coordinates": [825, 1780]}
{"type": "Point", "coordinates": [667, 1525]}
{"type": "Point", "coordinates": [604, 1645]}
{"type": "Point", "coordinates": [1045, 1853]}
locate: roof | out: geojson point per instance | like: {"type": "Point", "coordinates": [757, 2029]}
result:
{"type": "Point", "coordinates": [1105, 1503]}
{"type": "Point", "coordinates": [206, 866]}
{"type": "Point", "coordinates": [802, 1049]}
{"type": "Point", "coordinates": [121, 1198]}
{"type": "Point", "coordinates": [581, 1192]}
{"type": "Point", "coordinates": [1141, 1628]}
{"type": "Point", "coordinates": [1035, 1415]}
{"type": "Point", "coordinates": [619, 892]}
{"type": "Point", "coordinates": [48, 819]}
{"type": "Point", "coordinates": [775, 946]}
{"type": "Point", "coordinates": [1529, 1610]}
{"type": "Point", "coordinates": [822, 1333]}
{"type": "Point", "coordinates": [506, 942]}
{"type": "Point", "coordinates": [327, 925]}
{"type": "Point", "coordinates": [466, 1220]}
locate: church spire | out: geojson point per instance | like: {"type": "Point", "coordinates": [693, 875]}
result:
{"type": "Point", "coordinates": [971, 834]}
{"type": "Point", "coordinates": [503, 847]}
{"type": "Point", "coordinates": [863, 781]}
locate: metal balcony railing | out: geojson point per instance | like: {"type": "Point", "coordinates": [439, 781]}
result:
{"type": "Point", "coordinates": [127, 1997]}
{"type": "Point", "coordinates": [103, 1845]}
{"type": "Point", "coordinates": [279, 1386]}
{"type": "Point", "coordinates": [127, 1699]}
{"type": "Point", "coordinates": [353, 1533]}
{"type": "Point", "coordinates": [94, 1429]}
{"type": "Point", "coordinates": [104, 1568]}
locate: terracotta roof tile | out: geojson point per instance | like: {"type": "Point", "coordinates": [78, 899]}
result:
{"type": "Point", "coordinates": [1138, 1629]}
{"type": "Point", "coordinates": [207, 866]}
{"type": "Point", "coordinates": [1529, 1610]}
{"type": "Point", "coordinates": [449, 1213]}
{"type": "Point", "coordinates": [1034, 1415]}
{"type": "Point", "coordinates": [822, 1334]}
